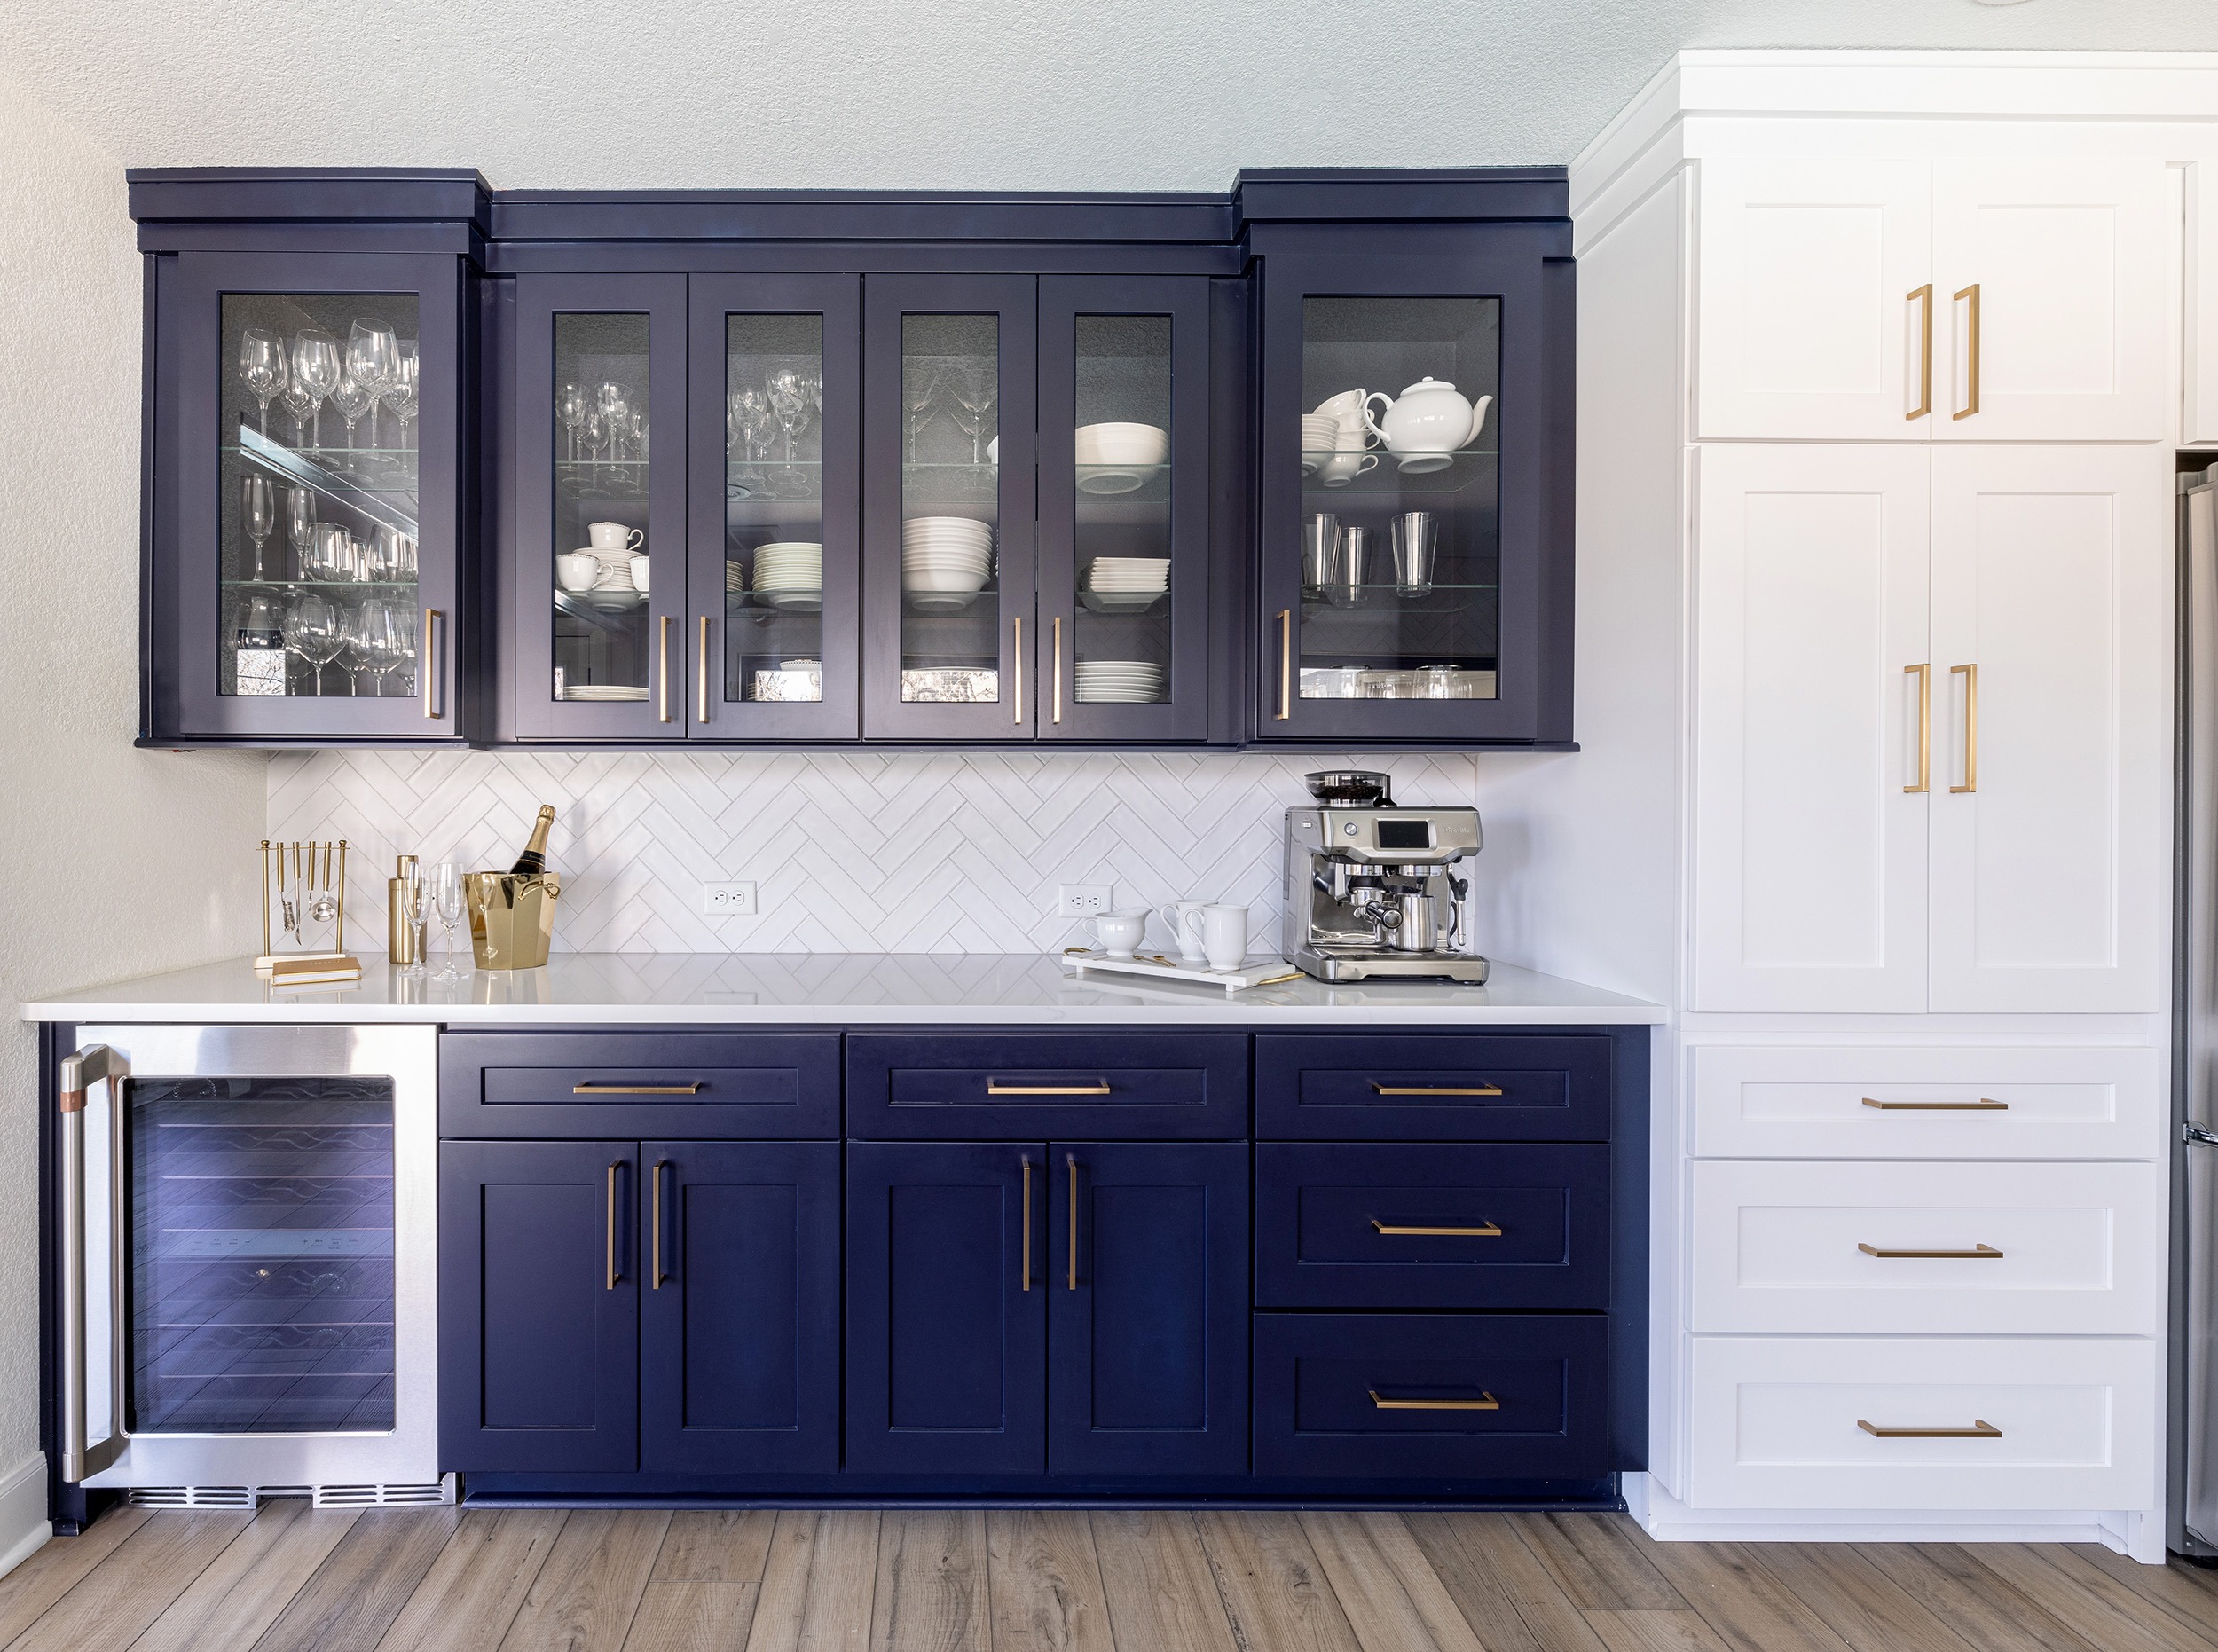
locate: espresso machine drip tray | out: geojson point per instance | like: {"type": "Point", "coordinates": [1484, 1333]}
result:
{"type": "Point", "coordinates": [1329, 963]}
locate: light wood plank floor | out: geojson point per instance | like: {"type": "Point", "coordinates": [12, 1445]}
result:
{"type": "Point", "coordinates": [525, 1580]}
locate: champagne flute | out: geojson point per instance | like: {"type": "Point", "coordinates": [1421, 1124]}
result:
{"type": "Point", "coordinates": [413, 895]}
{"type": "Point", "coordinates": [300, 526]}
{"type": "Point", "coordinates": [569, 407]}
{"type": "Point", "coordinates": [257, 506]}
{"type": "Point", "coordinates": [448, 902]}
{"type": "Point", "coordinates": [608, 402]}
{"type": "Point", "coordinates": [316, 364]}
{"type": "Point", "coordinates": [262, 367]}
{"type": "Point", "coordinates": [372, 359]}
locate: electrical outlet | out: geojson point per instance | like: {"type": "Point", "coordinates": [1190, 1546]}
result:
{"type": "Point", "coordinates": [728, 899]}
{"type": "Point", "coordinates": [1082, 899]}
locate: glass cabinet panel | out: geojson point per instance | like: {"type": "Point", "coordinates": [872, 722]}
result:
{"type": "Point", "coordinates": [774, 509]}
{"type": "Point", "coordinates": [950, 508]}
{"type": "Point", "coordinates": [317, 494]}
{"type": "Point", "coordinates": [1122, 519]}
{"type": "Point", "coordinates": [1400, 533]}
{"type": "Point", "coordinates": [601, 561]}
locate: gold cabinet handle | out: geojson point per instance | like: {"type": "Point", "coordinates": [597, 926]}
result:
{"type": "Point", "coordinates": [995, 1087]}
{"type": "Point", "coordinates": [613, 1275]}
{"type": "Point", "coordinates": [1286, 664]}
{"type": "Point", "coordinates": [655, 1274]}
{"type": "Point", "coordinates": [701, 709]}
{"type": "Point", "coordinates": [1485, 1231]}
{"type": "Point", "coordinates": [1027, 1264]}
{"type": "Point", "coordinates": [1485, 1402]}
{"type": "Point", "coordinates": [1435, 1090]}
{"type": "Point", "coordinates": [590, 1087]}
{"type": "Point", "coordinates": [428, 664]}
{"type": "Point", "coordinates": [1017, 666]}
{"type": "Point", "coordinates": [1971, 674]}
{"type": "Point", "coordinates": [1072, 1160]}
{"type": "Point", "coordinates": [1978, 1430]}
{"type": "Point", "coordinates": [1972, 377]}
{"type": "Point", "coordinates": [662, 669]}
{"type": "Point", "coordinates": [1923, 297]}
{"type": "Point", "coordinates": [1056, 625]}
{"type": "Point", "coordinates": [1978, 1253]}
{"type": "Point", "coordinates": [1925, 675]}
{"type": "Point", "coordinates": [1981, 1106]}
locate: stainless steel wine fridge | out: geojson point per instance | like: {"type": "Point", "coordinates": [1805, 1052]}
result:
{"type": "Point", "coordinates": [248, 1261]}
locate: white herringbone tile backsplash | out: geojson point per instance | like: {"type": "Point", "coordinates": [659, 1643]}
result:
{"type": "Point", "coordinates": [849, 852]}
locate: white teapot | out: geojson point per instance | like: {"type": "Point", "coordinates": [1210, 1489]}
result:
{"type": "Point", "coordinates": [1430, 422]}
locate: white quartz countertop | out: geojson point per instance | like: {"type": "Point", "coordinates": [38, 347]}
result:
{"type": "Point", "coordinates": [931, 989]}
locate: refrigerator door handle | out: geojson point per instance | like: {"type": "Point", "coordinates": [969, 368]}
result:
{"type": "Point", "coordinates": [80, 1458]}
{"type": "Point", "coordinates": [2196, 1135]}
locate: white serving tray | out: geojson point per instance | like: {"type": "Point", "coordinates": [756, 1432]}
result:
{"type": "Point", "coordinates": [1252, 972]}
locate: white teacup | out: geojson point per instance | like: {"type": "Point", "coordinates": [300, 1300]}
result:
{"type": "Point", "coordinates": [1342, 408]}
{"type": "Point", "coordinates": [1119, 933]}
{"type": "Point", "coordinates": [638, 571]}
{"type": "Point", "coordinates": [1224, 936]}
{"type": "Point", "coordinates": [576, 570]}
{"type": "Point", "coordinates": [1182, 918]}
{"type": "Point", "coordinates": [1343, 467]}
{"type": "Point", "coordinates": [614, 535]}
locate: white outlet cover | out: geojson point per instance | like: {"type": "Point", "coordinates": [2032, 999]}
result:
{"type": "Point", "coordinates": [1082, 899]}
{"type": "Point", "coordinates": [728, 899]}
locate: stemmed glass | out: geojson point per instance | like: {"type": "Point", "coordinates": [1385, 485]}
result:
{"type": "Point", "coordinates": [638, 434]}
{"type": "Point", "coordinates": [789, 400]}
{"type": "Point", "coordinates": [312, 630]}
{"type": "Point", "coordinates": [297, 401]}
{"type": "Point", "coordinates": [353, 398]}
{"type": "Point", "coordinates": [569, 407]}
{"type": "Point", "coordinates": [257, 505]}
{"type": "Point", "coordinates": [413, 895]}
{"type": "Point", "coordinates": [316, 364]}
{"type": "Point", "coordinates": [753, 420]}
{"type": "Point", "coordinates": [609, 403]}
{"type": "Point", "coordinates": [300, 526]}
{"type": "Point", "coordinates": [447, 902]}
{"type": "Point", "coordinates": [375, 643]}
{"type": "Point", "coordinates": [262, 367]}
{"type": "Point", "coordinates": [973, 389]}
{"type": "Point", "coordinates": [920, 395]}
{"type": "Point", "coordinates": [373, 360]}
{"type": "Point", "coordinates": [400, 395]}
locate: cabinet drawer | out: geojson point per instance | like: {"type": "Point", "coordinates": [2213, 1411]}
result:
{"type": "Point", "coordinates": [1897, 1103]}
{"type": "Point", "coordinates": [1431, 1395]}
{"type": "Point", "coordinates": [1525, 1226]}
{"type": "Point", "coordinates": [1778, 1423]}
{"type": "Point", "coordinates": [1094, 1087]}
{"type": "Point", "coordinates": [2037, 1248]}
{"type": "Point", "coordinates": [682, 1085]}
{"type": "Point", "coordinates": [1421, 1087]}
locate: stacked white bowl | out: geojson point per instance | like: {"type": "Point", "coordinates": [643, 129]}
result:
{"type": "Point", "coordinates": [1116, 458]}
{"type": "Point", "coordinates": [790, 573]}
{"type": "Point", "coordinates": [1125, 682]}
{"type": "Point", "coordinates": [946, 560]}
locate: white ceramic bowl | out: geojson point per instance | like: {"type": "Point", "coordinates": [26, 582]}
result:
{"type": "Point", "coordinates": [1122, 445]}
{"type": "Point", "coordinates": [964, 579]}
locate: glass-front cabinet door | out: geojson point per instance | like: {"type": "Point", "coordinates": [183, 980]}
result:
{"type": "Point", "coordinates": [950, 617]}
{"type": "Point", "coordinates": [1409, 580]}
{"type": "Point", "coordinates": [776, 393]}
{"type": "Point", "coordinates": [303, 579]}
{"type": "Point", "coordinates": [599, 571]}
{"type": "Point", "coordinates": [1124, 507]}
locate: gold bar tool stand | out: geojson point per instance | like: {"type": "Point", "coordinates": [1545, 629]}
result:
{"type": "Point", "coordinates": [321, 869]}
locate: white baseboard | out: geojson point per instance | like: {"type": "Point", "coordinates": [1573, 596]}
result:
{"type": "Point", "coordinates": [1667, 1520]}
{"type": "Point", "coordinates": [24, 1527]}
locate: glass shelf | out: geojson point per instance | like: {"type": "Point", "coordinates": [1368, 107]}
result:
{"type": "Point", "coordinates": [385, 495]}
{"type": "Point", "coordinates": [1466, 467]}
{"type": "Point", "coordinates": [282, 584]}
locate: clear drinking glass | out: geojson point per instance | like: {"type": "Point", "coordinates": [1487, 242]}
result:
{"type": "Point", "coordinates": [448, 906]}
{"type": "Point", "coordinates": [316, 364]}
{"type": "Point", "coordinates": [258, 512]}
{"type": "Point", "coordinates": [373, 358]}
{"type": "Point", "coordinates": [299, 527]}
{"type": "Point", "coordinates": [400, 395]}
{"type": "Point", "coordinates": [300, 404]}
{"type": "Point", "coordinates": [570, 408]}
{"type": "Point", "coordinates": [412, 893]}
{"type": "Point", "coordinates": [262, 367]}
{"type": "Point", "coordinates": [351, 398]}
{"type": "Point", "coordinates": [312, 630]}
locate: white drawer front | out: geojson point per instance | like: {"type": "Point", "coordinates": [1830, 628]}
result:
{"type": "Point", "coordinates": [2039, 1249]}
{"type": "Point", "coordinates": [1933, 1103]}
{"type": "Point", "coordinates": [1778, 1423]}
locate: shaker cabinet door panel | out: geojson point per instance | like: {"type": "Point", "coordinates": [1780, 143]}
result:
{"type": "Point", "coordinates": [2198, 413]}
{"type": "Point", "coordinates": [538, 1306]}
{"type": "Point", "coordinates": [1810, 844]}
{"type": "Point", "coordinates": [1806, 325]}
{"type": "Point", "coordinates": [2052, 720]}
{"type": "Point", "coordinates": [739, 1347]}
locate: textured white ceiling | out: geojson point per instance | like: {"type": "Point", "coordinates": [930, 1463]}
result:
{"type": "Point", "coordinates": [1007, 94]}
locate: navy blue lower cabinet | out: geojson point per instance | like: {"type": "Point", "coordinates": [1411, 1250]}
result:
{"type": "Point", "coordinates": [1434, 1087]}
{"type": "Point", "coordinates": [539, 1306]}
{"type": "Point", "coordinates": [1148, 1087]}
{"type": "Point", "coordinates": [1499, 1397]}
{"type": "Point", "coordinates": [1147, 1308]}
{"type": "Point", "coordinates": [739, 1318]}
{"type": "Point", "coordinates": [947, 1286]}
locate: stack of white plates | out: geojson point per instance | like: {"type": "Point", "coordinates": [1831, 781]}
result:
{"type": "Point", "coordinates": [1128, 682]}
{"type": "Point", "coordinates": [790, 576]}
{"type": "Point", "coordinates": [604, 691]}
{"type": "Point", "coordinates": [1123, 585]}
{"type": "Point", "coordinates": [946, 561]}
{"type": "Point", "coordinates": [734, 575]}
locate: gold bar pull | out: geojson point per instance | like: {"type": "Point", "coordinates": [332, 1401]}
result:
{"type": "Point", "coordinates": [1979, 1430]}
{"type": "Point", "coordinates": [1978, 1253]}
{"type": "Point", "coordinates": [662, 669]}
{"type": "Point", "coordinates": [1923, 297]}
{"type": "Point", "coordinates": [591, 1089]}
{"type": "Point", "coordinates": [1286, 664]}
{"type": "Point", "coordinates": [1485, 1231]}
{"type": "Point", "coordinates": [1027, 1265]}
{"type": "Point", "coordinates": [1485, 1402]}
{"type": "Point", "coordinates": [1072, 1160]}
{"type": "Point", "coordinates": [1055, 625]}
{"type": "Point", "coordinates": [1017, 668]}
{"type": "Point", "coordinates": [614, 1276]}
{"type": "Point", "coordinates": [1971, 384]}
{"type": "Point", "coordinates": [1981, 1106]}
{"type": "Point", "coordinates": [701, 709]}
{"type": "Point", "coordinates": [656, 1275]}
{"type": "Point", "coordinates": [995, 1087]}
{"type": "Point", "coordinates": [1925, 674]}
{"type": "Point", "coordinates": [1971, 674]}
{"type": "Point", "coordinates": [428, 666]}
{"type": "Point", "coordinates": [1435, 1090]}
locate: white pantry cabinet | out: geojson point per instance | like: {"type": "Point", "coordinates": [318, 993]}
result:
{"type": "Point", "coordinates": [2198, 421]}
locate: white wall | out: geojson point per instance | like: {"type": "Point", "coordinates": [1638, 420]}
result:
{"type": "Point", "coordinates": [113, 861]}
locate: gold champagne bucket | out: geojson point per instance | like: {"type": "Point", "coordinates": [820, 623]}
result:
{"type": "Point", "coordinates": [512, 918]}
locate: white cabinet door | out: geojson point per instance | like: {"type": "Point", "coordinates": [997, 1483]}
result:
{"type": "Point", "coordinates": [1810, 855]}
{"type": "Point", "coordinates": [2199, 413]}
{"type": "Point", "coordinates": [1804, 325]}
{"type": "Point", "coordinates": [2052, 713]}
{"type": "Point", "coordinates": [2067, 261]}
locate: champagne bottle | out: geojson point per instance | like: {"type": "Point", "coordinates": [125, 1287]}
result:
{"type": "Point", "coordinates": [532, 862]}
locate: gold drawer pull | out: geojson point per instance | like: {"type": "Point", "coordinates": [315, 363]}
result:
{"type": "Point", "coordinates": [590, 1088]}
{"type": "Point", "coordinates": [995, 1087]}
{"type": "Point", "coordinates": [1485, 1402]}
{"type": "Point", "coordinates": [1978, 1253]}
{"type": "Point", "coordinates": [1981, 1106]}
{"type": "Point", "coordinates": [1487, 1231]}
{"type": "Point", "coordinates": [1978, 1431]}
{"type": "Point", "coordinates": [1435, 1089]}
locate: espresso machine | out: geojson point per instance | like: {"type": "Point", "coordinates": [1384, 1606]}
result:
{"type": "Point", "coordinates": [1372, 889]}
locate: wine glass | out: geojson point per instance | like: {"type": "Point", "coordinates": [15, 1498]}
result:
{"type": "Point", "coordinates": [300, 526]}
{"type": "Point", "coordinates": [373, 644]}
{"type": "Point", "coordinates": [262, 367]}
{"type": "Point", "coordinates": [449, 905]}
{"type": "Point", "coordinates": [312, 629]}
{"type": "Point", "coordinates": [920, 395]}
{"type": "Point", "coordinates": [789, 400]}
{"type": "Point", "coordinates": [639, 433]}
{"type": "Point", "coordinates": [973, 389]}
{"type": "Point", "coordinates": [596, 437]}
{"type": "Point", "coordinates": [570, 408]}
{"type": "Point", "coordinates": [373, 361]}
{"type": "Point", "coordinates": [297, 401]}
{"type": "Point", "coordinates": [609, 403]}
{"type": "Point", "coordinates": [316, 364]}
{"type": "Point", "coordinates": [352, 398]}
{"type": "Point", "coordinates": [752, 409]}
{"type": "Point", "coordinates": [257, 508]}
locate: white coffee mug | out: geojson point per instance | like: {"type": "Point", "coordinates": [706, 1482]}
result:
{"type": "Point", "coordinates": [576, 570]}
{"type": "Point", "coordinates": [614, 535]}
{"type": "Point", "coordinates": [1118, 933]}
{"type": "Point", "coordinates": [1224, 936]}
{"type": "Point", "coordinates": [638, 571]}
{"type": "Point", "coordinates": [1182, 918]}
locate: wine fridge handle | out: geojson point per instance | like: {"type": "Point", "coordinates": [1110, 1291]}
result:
{"type": "Point", "coordinates": [82, 1458]}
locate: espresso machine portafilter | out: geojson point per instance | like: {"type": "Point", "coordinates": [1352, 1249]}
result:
{"type": "Point", "coordinates": [1373, 890]}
